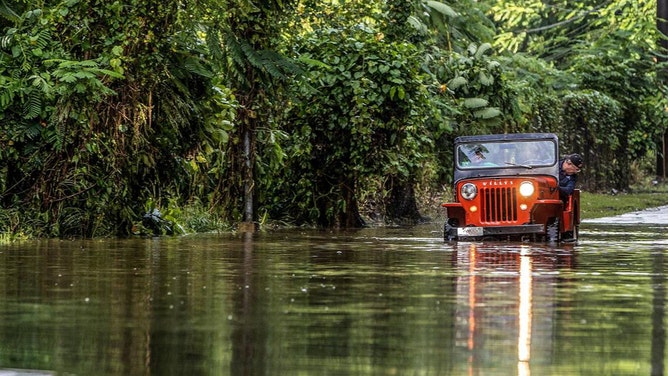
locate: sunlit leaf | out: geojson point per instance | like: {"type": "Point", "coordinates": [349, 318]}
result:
{"type": "Point", "coordinates": [475, 102]}
{"type": "Point", "coordinates": [442, 8]}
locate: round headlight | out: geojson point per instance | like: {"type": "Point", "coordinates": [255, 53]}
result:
{"type": "Point", "coordinates": [526, 188]}
{"type": "Point", "coordinates": [469, 191]}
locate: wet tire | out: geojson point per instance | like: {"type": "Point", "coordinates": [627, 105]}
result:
{"type": "Point", "coordinates": [450, 231]}
{"type": "Point", "coordinates": [552, 230]}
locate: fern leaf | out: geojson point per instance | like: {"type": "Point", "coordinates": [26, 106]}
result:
{"type": "Point", "coordinates": [106, 72]}
{"type": "Point", "coordinates": [6, 97]}
{"type": "Point", "coordinates": [32, 130]}
{"type": "Point", "coordinates": [43, 39]}
{"type": "Point", "coordinates": [33, 106]}
{"type": "Point", "coordinates": [82, 74]}
{"type": "Point", "coordinates": [6, 41]}
{"type": "Point", "coordinates": [68, 77]}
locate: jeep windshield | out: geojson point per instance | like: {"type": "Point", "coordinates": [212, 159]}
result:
{"type": "Point", "coordinates": [506, 154]}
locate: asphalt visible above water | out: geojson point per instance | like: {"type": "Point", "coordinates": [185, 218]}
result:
{"type": "Point", "coordinates": [657, 215]}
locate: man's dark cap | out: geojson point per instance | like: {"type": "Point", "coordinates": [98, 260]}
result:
{"type": "Point", "coordinates": [576, 159]}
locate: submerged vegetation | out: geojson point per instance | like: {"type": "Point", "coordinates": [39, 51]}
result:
{"type": "Point", "coordinates": [160, 117]}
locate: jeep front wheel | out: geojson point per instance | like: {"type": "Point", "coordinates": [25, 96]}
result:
{"type": "Point", "coordinates": [552, 230]}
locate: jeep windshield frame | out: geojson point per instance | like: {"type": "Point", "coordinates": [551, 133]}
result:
{"type": "Point", "coordinates": [506, 154]}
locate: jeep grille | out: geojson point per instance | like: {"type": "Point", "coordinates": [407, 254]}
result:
{"type": "Point", "coordinates": [499, 204]}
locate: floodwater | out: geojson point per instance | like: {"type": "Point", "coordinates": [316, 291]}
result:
{"type": "Point", "coordinates": [372, 302]}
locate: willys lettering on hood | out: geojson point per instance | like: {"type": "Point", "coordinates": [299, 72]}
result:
{"type": "Point", "coordinates": [497, 182]}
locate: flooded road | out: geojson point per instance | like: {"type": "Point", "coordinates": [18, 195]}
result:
{"type": "Point", "coordinates": [370, 302]}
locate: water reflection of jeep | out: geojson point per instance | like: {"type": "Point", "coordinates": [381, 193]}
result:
{"type": "Point", "coordinates": [507, 187]}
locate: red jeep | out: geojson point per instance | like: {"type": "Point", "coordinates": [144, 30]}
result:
{"type": "Point", "coordinates": [507, 187]}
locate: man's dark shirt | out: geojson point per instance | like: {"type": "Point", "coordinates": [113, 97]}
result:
{"type": "Point", "coordinates": [566, 182]}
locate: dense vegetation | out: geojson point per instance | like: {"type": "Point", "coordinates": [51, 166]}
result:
{"type": "Point", "coordinates": [142, 116]}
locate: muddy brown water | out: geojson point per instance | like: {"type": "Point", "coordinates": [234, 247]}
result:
{"type": "Point", "coordinates": [390, 301]}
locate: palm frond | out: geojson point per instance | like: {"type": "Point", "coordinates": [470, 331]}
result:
{"type": "Point", "coordinates": [194, 65]}
{"type": "Point", "coordinates": [234, 50]}
{"type": "Point", "coordinates": [7, 12]}
{"type": "Point", "coordinates": [213, 44]}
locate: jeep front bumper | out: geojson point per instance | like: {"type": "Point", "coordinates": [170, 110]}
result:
{"type": "Point", "coordinates": [477, 232]}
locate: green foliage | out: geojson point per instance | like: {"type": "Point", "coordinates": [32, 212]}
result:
{"type": "Point", "coordinates": [592, 124]}
{"type": "Point", "coordinates": [95, 125]}
{"type": "Point", "coordinates": [546, 29]}
{"type": "Point", "coordinates": [474, 83]}
{"type": "Point", "coordinates": [114, 108]}
{"type": "Point", "coordinates": [256, 71]}
{"type": "Point", "coordinates": [364, 114]}
{"type": "Point", "coordinates": [454, 28]}
{"type": "Point", "coordinates": [592, 118]}
{"type": "Point", "coordinates": [606, 46]}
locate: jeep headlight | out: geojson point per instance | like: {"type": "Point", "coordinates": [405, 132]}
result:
{"type": "Point", "coordinates": [526, 189]}
{"type": "Point", "coordinates": [469, 191]}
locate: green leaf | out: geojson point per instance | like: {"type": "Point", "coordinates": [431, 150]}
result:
{"type": "Point", "coordinates": [485, 79]}
{"type": "Point", "coordinates": [33, 107]}
{"type": "Point", "coordinates": [487, 113]}
{"type": "Point", "coordinates": [482, 49]}
{"type": "Point", "coordinates": [313, 62]}
{"type": "Point", "coordinates": [457, 82]}
{"type": "Point", "coordinates": [401, 92]}
{"type": "Point", "coordinates": [442, 8]}
{"type": "Point", "coordinates": [8, 13]}
{"type": "Point", "coordinates": [475, 102]}
{"type": "Point", "coordinates": [68, 77]}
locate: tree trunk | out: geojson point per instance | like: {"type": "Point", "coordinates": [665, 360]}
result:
{"type": "Point", "coordinates": [329, 196]}
{"type": "Point", "coordinates": [350, 218]}
{"type": "Point", "coordinates": [661, 161]}
{"type": "Point", "coordinates": [662, 144]}
{"type": "Point", "coordinates": [401, 205]}
{"type": "Point", "coordinates": [248, 177]}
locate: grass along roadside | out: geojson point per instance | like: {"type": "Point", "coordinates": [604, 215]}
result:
{"type": "Point", "coordinates": [598, 205]}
